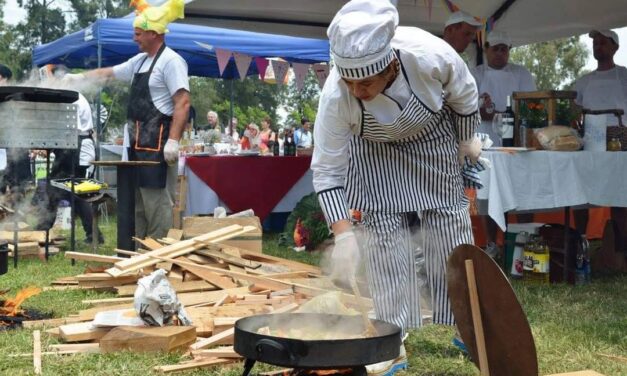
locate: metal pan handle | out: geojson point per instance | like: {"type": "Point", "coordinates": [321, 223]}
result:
{"type": "Point", "coordinates": [271, 347]}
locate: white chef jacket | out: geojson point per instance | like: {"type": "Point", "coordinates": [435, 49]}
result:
{"type": "Point", "coordinates": [435, 73]}
{"type": "Point", "coordinates": [87, 149]}
{"type": "Point", "coordinates": [603, 90]}
{"type": "Point", "coordinates": [499, 83]}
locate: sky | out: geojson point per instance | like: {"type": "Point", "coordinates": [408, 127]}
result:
{"type": "Point", "coordinates": [14, 14]}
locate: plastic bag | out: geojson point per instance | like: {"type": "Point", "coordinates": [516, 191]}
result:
{"type": "Point", "coordinates": [558, 138]}
{"type": "Point", "coordinates": [156, 302]}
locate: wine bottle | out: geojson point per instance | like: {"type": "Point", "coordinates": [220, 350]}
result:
{"type": "Point", "coordinates": [276, 148]}
{"type": "Point", "coordinates": [508, 124]}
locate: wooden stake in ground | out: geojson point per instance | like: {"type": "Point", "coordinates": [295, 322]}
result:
{"type": "Point", "coordinates": [476, 318]}
{"type": "Point", "coordinates": [37, 351]}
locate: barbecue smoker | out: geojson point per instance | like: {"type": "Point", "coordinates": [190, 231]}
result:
{"type": "Point", "coordinates": [38, 118]}
{"type": "Point", "coordinates": [346, 356]}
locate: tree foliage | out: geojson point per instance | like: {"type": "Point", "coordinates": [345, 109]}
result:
{"type": "Point", "coordinates": [555, 64]}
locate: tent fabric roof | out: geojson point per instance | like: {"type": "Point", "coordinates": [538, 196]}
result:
{"type": "Point", "coordinates": [527, 21]}
{"type": "Point", "coordinates": [115, 36]}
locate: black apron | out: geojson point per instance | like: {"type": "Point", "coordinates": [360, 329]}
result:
{"type": "Point", "coordinates": [149, 129]}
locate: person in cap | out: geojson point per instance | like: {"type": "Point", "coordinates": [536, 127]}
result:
{"type": "Point", "coordinates": [496, 80]}
{"type": "Point", "coordinates": [70, 162]}
{"type": "Point", "coordinates": [397, 110]}
{"type": "Point", "coordinates": [460, 29]}
{"type": "Point", "coordinates": [602, 89]}
{"type": "Point", "coordinates": [157, 113]}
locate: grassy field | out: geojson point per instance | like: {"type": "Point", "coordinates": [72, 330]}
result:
{"type": "Point", "coordinates": [571, 326]}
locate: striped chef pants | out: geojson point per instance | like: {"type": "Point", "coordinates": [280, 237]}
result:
{"type": "Point", "coordinates": [390, 262]}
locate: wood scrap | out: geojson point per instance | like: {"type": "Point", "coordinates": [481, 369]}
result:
{"type": "Point", "coordinates": [205, 274]}
{"type": "Point", "coordinates": [179, 287]}
{"type": "Point", "coordinates": [175, 233]}
{"type": "Point", "coordinates": [26, 236]}
{"type": "Point", "coordinates": [149, 243]}
{"type": "Point", "coordinates": [148, 339]}
{"type": "Point", "coordinates": [214, 340]}
{"type": "Point", "coordinates": [26, 248]}
{"type": "Point", "coordinates": [220, 352]}
{"type": "Point", "coordinates": [75, 348]}
{"type": "Point", "coordinates": [37, 351]}
{"type": "Point", "coordinates": [92, 257]}
{"type": "Point", "coordinates": [49, 322]}
{"type": "Point", "coordinates": [237, 261]}
{"type": "Point", "coordinates": [82, 331]}
{"type": "Point", "coordinates": [178, 249]}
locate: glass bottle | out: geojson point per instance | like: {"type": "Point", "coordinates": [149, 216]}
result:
{"type": "Point", "coordinates": [614, 145]}
{"type": "Point", "coordinates": [508, 124]}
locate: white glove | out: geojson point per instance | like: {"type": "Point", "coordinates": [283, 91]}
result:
{"type": "Point", "coordinates": [470, 148]}
{"type": "Point", "coordinates": [73, 77]}
{"type": "Point", "coordinates": [345, 258]}
{"type": "Point", "coordinates": [171, 151]}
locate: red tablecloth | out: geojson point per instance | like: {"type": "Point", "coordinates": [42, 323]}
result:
{"type": "Point", "coordinates": [257, 183]}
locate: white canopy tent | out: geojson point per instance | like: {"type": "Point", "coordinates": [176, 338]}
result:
{"type": "Point", "coordinates": [526, 21]}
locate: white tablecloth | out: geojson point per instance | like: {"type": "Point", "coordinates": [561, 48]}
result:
{"type": "Point", "coordinates": [201, 199]}
{"type": "Point", "coordinates": [544, 179]}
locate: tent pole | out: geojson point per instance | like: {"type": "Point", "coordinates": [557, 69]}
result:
{"type": "Point", "coordinates": [98, 110]}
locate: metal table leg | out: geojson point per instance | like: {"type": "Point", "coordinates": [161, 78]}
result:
{"type": "Point", "coordinates": [126, 208]}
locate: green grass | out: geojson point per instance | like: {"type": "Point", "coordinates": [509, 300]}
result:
{"type": "Point", "coordinates": [571, 326]}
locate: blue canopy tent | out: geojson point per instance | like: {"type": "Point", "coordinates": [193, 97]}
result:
{"type": "Point", "coordinates": [108, 42]}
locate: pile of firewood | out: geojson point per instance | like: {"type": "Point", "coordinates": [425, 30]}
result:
{"type": "Point", "coordinates": [216, 283]}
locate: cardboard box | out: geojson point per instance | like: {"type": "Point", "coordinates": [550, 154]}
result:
{"type": "Point", "coordinates": [252, 241]}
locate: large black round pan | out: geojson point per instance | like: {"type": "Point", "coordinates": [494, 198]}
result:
{"type": "Point", "coordinates": [317, 354]}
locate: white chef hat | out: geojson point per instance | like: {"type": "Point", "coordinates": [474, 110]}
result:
{"type": "Point", "coordinates": [606, 33]}
{"type": "Point", "coordinates": [498, 37]}
{"type": "Point", "coordinates": [461, 16]}
{"type": "Point", "coordinates": [360, 35]}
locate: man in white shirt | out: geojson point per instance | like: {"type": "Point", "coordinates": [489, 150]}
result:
{"type": "Point", "coordinates": [496, 80]}
{"type": "Point", "coordinates": [305, 137]}
{"type": "Point", "coordinates": [157, 111]}
{"type": "Point", "coordinates": [603, 89]}
{"type": "Point", "coordinates": [460, 30]}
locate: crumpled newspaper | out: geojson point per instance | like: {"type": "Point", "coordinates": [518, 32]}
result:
{"type": "Point", "coordinates": [156, 302]}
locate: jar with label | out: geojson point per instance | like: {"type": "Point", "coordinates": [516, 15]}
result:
{"type": "Point", "coordinates": [614, 145]}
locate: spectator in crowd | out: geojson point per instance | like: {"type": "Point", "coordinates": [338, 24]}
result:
{"type": "Point", "coordinates": [231, 131]}
{"type": "Point", "coordinates": [497, 80]}
{"type": "Point", "coordinates": [252, 137]}
{"type": "Point", "coordinates": [297, 130]}
{"type": "Point", "coordinates": [460, 29]}
{"type": "Point", "coordinates": [266, 135]}
{"type": "Point", "coordinates": [602, 89]}
{"type": "Point", "coordinates": [305, 137]}
{"type": "Point", "coordinates": [212, 122]}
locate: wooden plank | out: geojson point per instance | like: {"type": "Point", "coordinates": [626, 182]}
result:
{"type": "Point", "coordinates": [76, 347]}
{"type": "Point", "coordinates": [237, 261]}
{"type": "Point", "coordinates": [149, 243]}
{"type": "Point", "coordinates": [104, 277]}
{"type": "Point", "coordinates": [53, 332]}
{"type": "Point", "coordinates": [37, 351]}
{"type": "Point", "coordinates": [179, 287]}
{"type": "Point", "coordinates": [201, 321]}
{"type": "Point", "coordinates": [89, 314]}
{"type": "Point", "coordinates": [148, 339]}
{"type": "Point", "coordinates": [65, 281]}
{"type": "Point", "coordinates": [221, 352]}
{"type": "Point", "coordinates": [26, 236]}
{"type": "Point", "coordinates": [179, 249]}
{"type": "Point", "coordinates": [227, 334]}
{"type": "Point", "coordinates": [207, 275]}
{"type": "Point", "coordinates": [107, 302]}
{"type": "Point", "coordinates": [82, 331]}
{"type": "Point", "coordinates": [193, 364]}
{"type": "Point", "coordinates": [175, 233]}
{"type": "Point", "coordinates": [26, 248]}
{"type": "Point", "coordinates": [293, 265]}
{"type": "Point", "coordinates": [288, 275]}
{"type": "Point", "coordinates": [269, 283]}
{"type": "Point", "coordinates": [92, 257]}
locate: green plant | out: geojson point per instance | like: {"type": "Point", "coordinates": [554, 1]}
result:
{"type": "Point", "coordinates": [312, 223]}
{"type": "Point", "coordinates": [533, 113]}
{"type": "Point", "coordinates": [566, 113]}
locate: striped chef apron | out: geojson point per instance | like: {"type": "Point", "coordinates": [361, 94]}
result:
{"type": "Point", "coordinates": [409, 165]}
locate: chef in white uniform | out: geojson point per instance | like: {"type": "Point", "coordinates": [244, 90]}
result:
{"type": "Point", "coordinates": [497, 79]}
{"type": "Point", "coordinates": [602, 89]}
{"type": "Point", "coordinates": [397, 111]}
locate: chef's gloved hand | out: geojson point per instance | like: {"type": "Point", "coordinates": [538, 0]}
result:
{"type": "Point", "coordinates": [73, 78]}
{"type": "Point", "coordinates": [345, 258]}
{"type": "Point", "coordinates": [470, 148]}
{"type": "Point", "coordinates": [171, 151]}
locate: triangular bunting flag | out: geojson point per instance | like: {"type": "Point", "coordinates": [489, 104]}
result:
{"type": "Point", "coordinates": [223, 57]}
{"type": "Point", "coordinates": [280, 69]}
{"type": "Point", "coordinates": [242, 61]}
{"type": "Point", "coordinates": [262, 65]}
{"type": "Point", "coordinates": [322, 72]}
{"type": "Point", "coordinates": [300, 72]}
